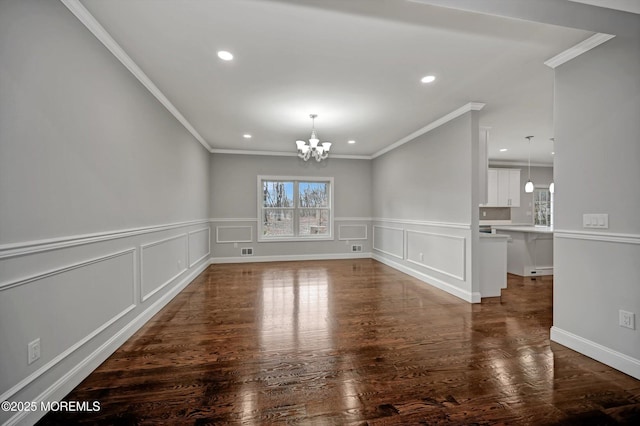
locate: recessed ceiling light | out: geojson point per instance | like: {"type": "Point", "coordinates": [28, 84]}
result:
{"type": "Point", "coordinates": [246, 136]}
{"type": "Point", "coordinates": [428, 79]}
{"type": "Point", "coordinates": [553, 153]}
{"type": "Point", "coordinates": [224, 55]}
{"type": "Point", "coordinates": [503, 149]}
{"type": "Point", "coordinates": [351, 141]}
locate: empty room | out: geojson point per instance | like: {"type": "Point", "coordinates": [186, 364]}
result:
{"type": "Point", "coordinates": [319, 212]}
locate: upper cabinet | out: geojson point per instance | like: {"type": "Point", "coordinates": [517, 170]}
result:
{"type": "Point", "coordinates": [503, 188]}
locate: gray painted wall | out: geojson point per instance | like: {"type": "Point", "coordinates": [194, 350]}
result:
{"type": "Point", "coordinates": [597, 105]}
{"type": "Point", "coordinates": [234, 184]}
{"type": "Point", "coordinates": [234, 197]}
{"type": "Point", "coordinates": [597, 170]}
{"type": "Point", "coordinates": [428, 178]}
{"type": "Point", "coordinates": [425, 207]}
{"type": "Point", "coordinates": [85, 149]}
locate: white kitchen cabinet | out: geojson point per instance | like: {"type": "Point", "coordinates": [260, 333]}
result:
{"type": "Point", "coordinates": [503, 188]}
{"type": "Point", "coordinates": [492, 187]}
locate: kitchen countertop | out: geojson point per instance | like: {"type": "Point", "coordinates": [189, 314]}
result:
{"type": "Point", "coordinates": [525, 228]}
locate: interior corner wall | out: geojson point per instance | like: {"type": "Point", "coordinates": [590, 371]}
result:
{"type": "Point", "coordinates": [597, 169]}
{"type": "Point", "coordinates": [234, 207]}
{"type": "Point", "coordinates": [423, 206]}
{"type": "Point", "coordinates": [104, 203]}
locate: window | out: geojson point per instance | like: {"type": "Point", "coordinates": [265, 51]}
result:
{"type": "Point", "coordinates": [542, 207]}
{"type": "Point", "coordinates": [291, 209]}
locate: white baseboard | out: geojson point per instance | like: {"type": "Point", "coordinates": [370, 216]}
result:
{"type": "Point", "coordinates": [432, 281]}
{"type": "Point", "coordinates": [289, 257]}
{"type": "Point", "coordinates": [539, 271]}
{"type": "Point", "coordinates": [614, 359]}
{"type": "Point", "coordinates": [65, 384]}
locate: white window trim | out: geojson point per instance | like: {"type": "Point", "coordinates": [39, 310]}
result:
{"type": "Point", "coordinates": [263, 239]}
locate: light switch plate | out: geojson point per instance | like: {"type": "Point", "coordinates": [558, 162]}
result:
{"type": "Point", "coordinates": [595, 220]}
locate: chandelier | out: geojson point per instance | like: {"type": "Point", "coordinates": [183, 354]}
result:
{"type": "Point", "coordinates": [314, 149]}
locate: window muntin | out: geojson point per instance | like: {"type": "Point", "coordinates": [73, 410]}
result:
{"type": "Point", "coordinates": [542, 207]}
{"type": "Point", "coordinates": [292, 208]}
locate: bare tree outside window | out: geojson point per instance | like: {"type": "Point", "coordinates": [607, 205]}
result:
{"type": "Point", "coordinates": [295, 208]}
{"type": "Point", "coordinates": [542, 207]}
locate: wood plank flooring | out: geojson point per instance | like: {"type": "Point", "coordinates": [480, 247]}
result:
{"type": "Point", "coordinates": [350, 342]}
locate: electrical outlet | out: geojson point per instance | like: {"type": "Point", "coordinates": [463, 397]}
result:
{"type": "Point", "coordinates": [179, 264]}
{"type": "Point", "coordinates": [33, 350]}
{"type": "Point", "coordinates": [627, 319]}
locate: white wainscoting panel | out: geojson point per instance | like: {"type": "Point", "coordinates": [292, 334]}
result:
{"type": "Point", "coordinates": [199, 245]}
{"type": "Point", "coordinates": [352, 232]}
{"type": "Point", "coordinates": [389, 240]}
{"type": "Point", "coordinates": [68, 306]}
{"type": "Point", "coordinates": [161, 262]}
{"type": "Point", "coordinates": [234, 234]}
{"type": "Point", "coordinates": [440, 253]}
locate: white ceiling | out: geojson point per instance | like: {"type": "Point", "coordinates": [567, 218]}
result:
{"type": "Point", "coordinates": [632, 6]}
{"type": "Point", "coordinates": [357, 64]}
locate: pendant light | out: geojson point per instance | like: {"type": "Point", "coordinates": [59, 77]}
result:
{"type": "Point", "coordinates": [552, 187]}
{"type": "Point", "coordinates": [528, 187]}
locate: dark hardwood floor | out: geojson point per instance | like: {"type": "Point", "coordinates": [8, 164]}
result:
{"type": "Point", "coordinates": [350, 342]}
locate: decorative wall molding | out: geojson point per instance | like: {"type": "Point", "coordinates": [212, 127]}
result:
{"type": "Point", "coordinates": [577, 50]}
{"type": "Point", "coordinates": [615, 359]}
{"type": "Point", "coordinates": [377, 247]}
{"type": "Point", "coordinates": [220, 240]}
{"type": "Point", "coordinates": [39, 246]}
{"type": "Point", "coordinates": [58, 390]}
{"type": "Point", "coordinates": [472, 297]}
{"type": "Point", "coordinates": [471, 106]}
{"type": "Point", "coordinates": [459, 275]}
{"type": "Point", "coordinates": [192, 263]}
{"type": "Point", "coordinates": [46, 367]}
{"type": "Point", "coordinates": [424, 223]}
{"type": "Point", "coordinates": [255, 219]}
{"type": "Point", "coordinates": [233, 219]}
{"type": "Point", "coordinates": [105, 38]}
{"type": "Point", "coordinates": [172, 278]}
{"type": "Point", "coordinates": [57, 271]}
{"type": "Point", "coordinates": [290, 257]}
{"type": "Point", "coordinates": [597, 236]}
{"type": "Point", "coordinates": [33, 376]}
{"type": "Point", "coordinates": [352, 238]}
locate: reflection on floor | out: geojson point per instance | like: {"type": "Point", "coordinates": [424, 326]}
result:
{"type": "Point", "coordinates": [350, 342]}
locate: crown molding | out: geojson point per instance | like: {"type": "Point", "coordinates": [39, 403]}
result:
{"type": "Point", "coordinates": [577, 50]}
{"type": "Point", "coordinates": [471, 106]}
{"type": "Point", "coordinates": [105, 38]}
{"type": "Point", "coordinates": [282, 154]}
